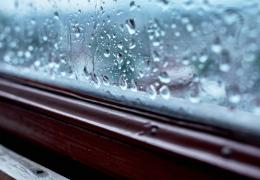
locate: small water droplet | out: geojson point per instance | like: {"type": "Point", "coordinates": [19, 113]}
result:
{"type": "Point", "coordinates": [189, 27]}
{"type": "Point", "coordinates": [177, 34]}
{"type": "Point", "coordinates": [194, 99]}
{"type": "Point", "coordinates": [105, 80]}
{"type": "Point", "coordinates": [7, 58]}
{"type": "Point", "coordinates": [224, 67]}
{"type": "Point", "coordinates": [164, 91]}
{"type": "Point", "coordinates": [122, 83]}
{"type": "Point", "coordinates": [226, 151]}
{"type": "Point", "coordinates": [234, 99]}
{"type": "Point", "coordinates": [151, 91]}
{"type": "Point", "coordinates": [156, 56]}
{"type": "Point", "coordinates": [77, 34]}
{"type": "Point", "coordinates": [30, 48]}
{"type": "Point", "coordinates": [107, 53]}
{"type": "Point", "coordinates": [56, 15]}
{"type": "Point", "coordinates": [45, 38]}
{"type": "Point", "coordinates": [153, 130]}
{"type": "Point", "coordinates": [132, 44]}
{"type": "Point", "coordinates": [164, 77]}
{"type": "Point", "coordinates": [132, 6]}
{"type": "Point", "coordinates": [28, 54]}
{"type": "Point", "coordinates": [133, 85]}
{"type": "Point", "coordinates": [119, 57]}
{"type": "Point", "coordinates": [203, 58]}
{"type": "Point", "coordinates": [165, 2]}
{"type": "Point", "coordinates": [120, 45]}
{"type": "Point", "coordinates": [96, 80]}
{"type": "Point", "coordinates": [216, 48]}
{"type": "Point", "coordinates": [87, 74]}
{"type": "Point", "coordinates": [130, 24]}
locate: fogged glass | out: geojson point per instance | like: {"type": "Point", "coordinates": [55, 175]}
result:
{"type": "Point", "coordinates": [202, 51]}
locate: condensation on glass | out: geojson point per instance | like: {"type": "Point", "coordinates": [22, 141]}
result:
{"type": "Point", "coordinates": [200, 51]}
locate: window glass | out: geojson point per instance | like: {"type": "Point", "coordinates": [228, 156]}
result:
{"type": "Point", "coordinates": [201, 52]}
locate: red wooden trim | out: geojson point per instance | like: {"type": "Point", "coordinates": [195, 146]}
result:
{"type": "Point", "coordinates": [118, 142]}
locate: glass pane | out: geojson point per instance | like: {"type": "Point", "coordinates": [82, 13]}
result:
{"type": "Point", "coordinates": [181, 58]}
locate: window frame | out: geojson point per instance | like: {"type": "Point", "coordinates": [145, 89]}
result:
{"type": "Point", "coordinates": [119, 141]}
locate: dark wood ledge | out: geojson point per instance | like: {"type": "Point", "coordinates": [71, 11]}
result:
{"type": "Point", "coordinates": [120, 143]}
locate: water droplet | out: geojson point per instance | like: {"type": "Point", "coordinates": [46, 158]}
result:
{"type": "Point", "coordinates": [132, 6]}
{"type": "Point", "coordinates": [164, 77]}
{"type": "Point", "coordinates": [156, 56]}
{"type": "Point", "coordinates": [20, 53]}
{"type": "Point", "coordinates": [216, 48]}
{"type": "Point", "coordinates": [33, 22]}
{"type": "Point", "coordinates": [156, 43]}
{"type": "Point", "coordinates": [130, 24]}
{"type": "Point", "coordinates": [234, 99]}
{"type": "Point", "coordinates": [189, 28]}
{"type": "Point", "coordinates": [177, 34]}
{"type": "Point", "coordinates": [231, 17]}
{"type": "Point", "coordinates": [30, 48]}
{"type": "Point", "coordinates": [56, 15]}
{"type": "Point", "coordinates": [165, 2]}
{"type": "Point", "coordinates": [173, 26]}
{"type": "Point", "coordinates": [153, 130]}
{"type": "Point", "coordinates": [105, 80]}
{"type": "Point", "coordinates": [28, 54]}
{"type": "Point", "coordinates": [77, 34]}
{"type": "Point", "coordinates": [133, 85]}
{"type": "Point", "coordinates": [164, 91]}
{"type": "Point", "coordinates": [151, 91]}
{"type": "Point", "coordinates": [194, 99]}
{"type": "Point", "coordinates": [226, 151]}
{"type": "Point", "coordinates": [107, 53]}
{"type": "Point", "coordinates": [96, 80]}
{"type": "Point", "coordinates": [203, 58]}
{"type": "Point", "coordinates": [7, 58]}
{"type": "Point", "coordinates": [45, 38]}
{"type": "Point", "coordinates": [132, 44]}
{"type": "Point", "coordinates": [141, 74]}
{"type": "Point", "coordinates": [120, 45]}
{"type": "Point", "coordinates": [119, 57]}
{"type": "Point", "coordinates": [224, 67]}
{"type": "Point", "coordinates": [122, 83]}
{"type": "Point", "coordinates": [87, 74]}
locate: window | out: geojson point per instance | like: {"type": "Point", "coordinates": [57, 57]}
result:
{"type": "Point", "coordinates": [178, 58]}
{"type": "Point", "coordinates": [197, 61]}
